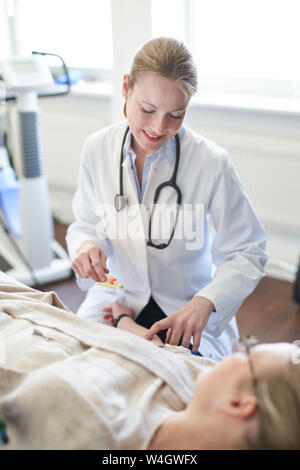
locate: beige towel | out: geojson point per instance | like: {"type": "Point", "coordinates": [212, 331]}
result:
{"type": "Point", "coordinates": [48, 382]}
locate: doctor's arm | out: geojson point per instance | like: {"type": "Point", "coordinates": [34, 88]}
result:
{"type": "Point", "coordinates": [238, 249]}
{"type": "Point", "coordinates": [87, 245]}
{"type": "Point", "coordinates": [238, 252]}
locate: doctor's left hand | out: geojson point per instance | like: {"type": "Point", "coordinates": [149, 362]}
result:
{"type": "Point", "coordinates": [184, 324]}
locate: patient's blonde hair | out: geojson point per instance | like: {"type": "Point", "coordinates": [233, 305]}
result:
{"type": "Point", "coordinates": [279, 410]}
{"type": "Point", "coordinates": [169, 58]}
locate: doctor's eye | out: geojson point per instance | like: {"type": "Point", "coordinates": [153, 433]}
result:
{"type": "Point", "coordinates": [146, 111]}
{"type": "Point", "coordinates": [176, 117]}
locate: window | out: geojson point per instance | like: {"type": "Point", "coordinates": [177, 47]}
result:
{"type": "Point", "coordinates": [79, 31]}
{"type": "Point", "coordinates": [249, 45]}
{"type": "Point", "coordinates": [169, 18]}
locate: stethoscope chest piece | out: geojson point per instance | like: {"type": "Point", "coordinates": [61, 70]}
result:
{"type": "Point", "coordinates": [120, 202]}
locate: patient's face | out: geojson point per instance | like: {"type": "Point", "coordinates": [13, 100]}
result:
{"type": "Point", "coordinates": [234, 370]}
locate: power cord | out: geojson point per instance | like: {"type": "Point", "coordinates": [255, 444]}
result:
{"type": "Point", "coordinates": [46, 95]}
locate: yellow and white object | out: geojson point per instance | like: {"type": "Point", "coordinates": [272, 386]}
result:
{"type": "Point", "coordinates": [111, 283]}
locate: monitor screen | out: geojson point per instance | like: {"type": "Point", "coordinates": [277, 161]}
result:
{"type": "Point", "coordinates": [24, 67]}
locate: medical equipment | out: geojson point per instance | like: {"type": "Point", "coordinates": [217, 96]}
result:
{"type": "Point", "coordinates": [121, 200]}
{"type": "Point", "coordinates": [112, 283]}
{"type": "Point", "coordinates": [27, 226]}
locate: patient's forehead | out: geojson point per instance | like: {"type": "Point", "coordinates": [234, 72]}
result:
{"type": "Point", "coordinates": [281, 349]}
{"type": "Point", "coordinates": [272, 355]}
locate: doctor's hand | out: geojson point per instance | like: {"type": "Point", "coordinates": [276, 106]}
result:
{"type": "Point", "coordinates": [184, 324]}
{"type": "Point", "coordinates": [90, 262]}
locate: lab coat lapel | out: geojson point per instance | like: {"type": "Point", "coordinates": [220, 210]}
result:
{"type": "Point", "coordinates": [130, 189]}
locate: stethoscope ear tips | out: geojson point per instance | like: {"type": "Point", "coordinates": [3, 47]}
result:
{"type": "Point", "coordinates": [120, 202]}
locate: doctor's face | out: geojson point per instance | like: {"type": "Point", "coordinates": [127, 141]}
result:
{"type": "Point", "coordinates": [155, 109]}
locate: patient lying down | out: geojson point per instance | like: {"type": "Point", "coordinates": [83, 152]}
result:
{"type": "Point", "coordinates": [68, 383]}
{"type": "Point", "coordinates": [251, 400]}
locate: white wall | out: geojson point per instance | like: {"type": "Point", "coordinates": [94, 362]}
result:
{"type": "Point", "coordinates": [5, 46]}
{"type": "Point", "coordinates": [126, 41]}
{"type": "Point", "coordinates": [265, 148]}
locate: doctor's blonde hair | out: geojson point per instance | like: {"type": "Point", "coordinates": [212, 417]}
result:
{"type": "Point", "coordinates": [169, 58]}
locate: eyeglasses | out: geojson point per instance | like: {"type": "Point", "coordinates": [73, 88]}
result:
{"type": "Point", "coordinates": [244, 345]}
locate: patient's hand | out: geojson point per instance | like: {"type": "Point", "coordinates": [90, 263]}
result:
{"type": "Point", "coordinates": [114, 310]}
{"type": "Point", "coordinates": [127, 324]}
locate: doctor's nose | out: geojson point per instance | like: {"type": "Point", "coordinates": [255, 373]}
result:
{"type": "Point", "coordinates": [159, 125]}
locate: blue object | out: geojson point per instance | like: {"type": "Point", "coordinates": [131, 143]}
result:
{"type": "Point", "coordinates": [73, 75]}
{"type": "Point", "coordinates": [195, 353]}
{"type": "Point", "coordinates": [3, 437]}
{"type": "Point", "coordinates": [10, 200]}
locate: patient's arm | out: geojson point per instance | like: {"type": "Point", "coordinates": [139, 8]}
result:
{"type": "Point", "coordinates": [127, 323]}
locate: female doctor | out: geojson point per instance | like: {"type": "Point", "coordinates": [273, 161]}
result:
{"type": "Point", "coordinates": [163, 210]}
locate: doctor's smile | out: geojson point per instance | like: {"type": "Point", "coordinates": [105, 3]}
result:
{"type": "Point", "coordinates": [152, 138]}
{"type": "Point", "coordinates": [163, 209]}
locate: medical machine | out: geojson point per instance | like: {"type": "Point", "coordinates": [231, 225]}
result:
{"type": "Point", "coordinates": [28, 251]}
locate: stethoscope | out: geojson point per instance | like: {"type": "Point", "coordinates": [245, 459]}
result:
{"type": "Point", "coordinates": [121, 200]}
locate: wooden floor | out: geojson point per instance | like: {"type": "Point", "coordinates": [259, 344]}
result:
{"type": "Point", "coordinates": [269, 312]}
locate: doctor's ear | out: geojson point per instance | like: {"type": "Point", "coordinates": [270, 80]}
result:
{"type": "Point", "coordinates": [125, 90]}
{"type": "Point", "coordinates": [125, 87]}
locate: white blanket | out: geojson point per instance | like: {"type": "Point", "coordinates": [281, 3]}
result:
{"type": "Point", "coordinates": [83, 385]}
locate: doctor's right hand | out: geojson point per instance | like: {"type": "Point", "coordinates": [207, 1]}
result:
{"type": "Point", "coordinates": [90, 262]}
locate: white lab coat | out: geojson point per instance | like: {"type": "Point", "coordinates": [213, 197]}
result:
{"type": "Point", "coordinates": [225, 269]}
